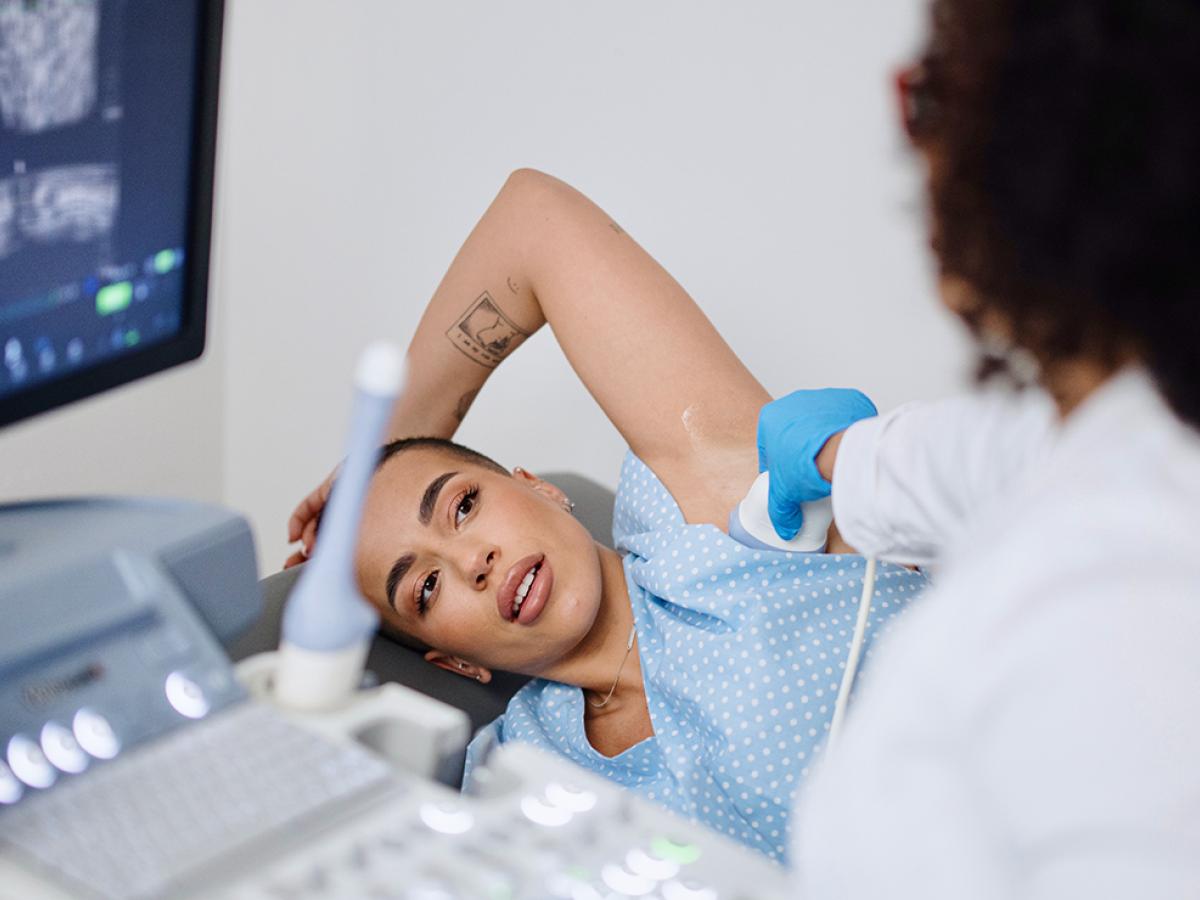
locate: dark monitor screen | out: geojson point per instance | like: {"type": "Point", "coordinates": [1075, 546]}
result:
{"type": "Point", "coordinates": [107, 136]}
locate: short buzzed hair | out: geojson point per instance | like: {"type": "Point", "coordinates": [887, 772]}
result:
{"type": "Point", "coordinates": [450, 448]}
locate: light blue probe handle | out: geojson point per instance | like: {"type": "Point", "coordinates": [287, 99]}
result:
{"type": "Point", "coordinates": [326, 611]}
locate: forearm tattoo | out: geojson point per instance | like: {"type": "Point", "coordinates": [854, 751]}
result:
{"type": "Point", "coordinates": [464, 404]}
{"type": "Point", "coordinates": [484, 333]}
{"type": "Point", "coordinates": [513, 287]}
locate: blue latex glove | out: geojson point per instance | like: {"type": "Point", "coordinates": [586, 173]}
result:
{"type": "Point", "coordinates": [791, 433]}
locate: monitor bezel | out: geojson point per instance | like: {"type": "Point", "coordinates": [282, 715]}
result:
{"type": "Point", "coordinates": [188, 344]}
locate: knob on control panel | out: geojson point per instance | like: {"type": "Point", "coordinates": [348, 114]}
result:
{"type": "Point", "coordinates": [29, 763]}
{"type": "Point", "coordinates": [10, 788]}
{"type": "Point", "coordinates": [186, 696]}
{"type": "Point", "coordinates": [95, 735]}
{"type": "Point", "coordinates": [62, 749]}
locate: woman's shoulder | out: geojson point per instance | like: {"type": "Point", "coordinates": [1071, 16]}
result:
{"type": "Point", "coordinates": [643, 503]}
{"type": "Point", "coordinates": [541, 709]}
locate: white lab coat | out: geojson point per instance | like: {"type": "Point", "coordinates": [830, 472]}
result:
{"type": "Point", "coordinates": [1032, 729]}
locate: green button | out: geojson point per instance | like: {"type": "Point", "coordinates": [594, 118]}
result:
{"type": "Point", "coordinates": [132, 337]}
{"type": "Point", "coordinates": [164, 261]}
{"type": "Point", "coordinates": [114, 297]}
{"type": "Point", "coordinates": [665, 848]}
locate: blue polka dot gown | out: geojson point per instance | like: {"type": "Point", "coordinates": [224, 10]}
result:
{"type": "Point", "coordinates": [742, 653]}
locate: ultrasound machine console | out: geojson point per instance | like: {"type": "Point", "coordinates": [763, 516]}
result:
{"type": "Point", "coordinates": [135, 759]}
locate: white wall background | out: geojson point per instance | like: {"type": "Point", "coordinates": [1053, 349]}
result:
{"type": "Point", "coordinates": [752, 147]}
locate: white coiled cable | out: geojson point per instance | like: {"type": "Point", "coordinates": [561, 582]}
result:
{"type": "Point", "coordinates": [856, 645]}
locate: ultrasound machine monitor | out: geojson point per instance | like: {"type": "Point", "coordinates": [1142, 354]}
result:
{"type": "Point", "coordinates": [107, 138]}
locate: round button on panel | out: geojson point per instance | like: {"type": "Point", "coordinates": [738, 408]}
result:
{"type": "Point", "coordinates": [95, 735]}
{"type": "Point", "coordinates": [677, 851]}
{"type": "Point", "coordinates": [62, 749]}
{"type": "Point", "coordinates": [538, 811]}
{"type": "Point", "coordinates": [446, 818]}
{"type": "Point", "coordinates": [186, 696]}
{"type": "Point", "coordinates": [29, 763]}
{"type": "Point", "coordinates": [624, 882]}
{"type": "Point", "coordinates": [570, 797]}
{"type": "Point", "coordinates": [642, 863]}
{"type": "Point", "coordinates": [10, 788]}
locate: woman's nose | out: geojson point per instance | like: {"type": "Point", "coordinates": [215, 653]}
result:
{"type": "Point", "coordinates": [481, 566]}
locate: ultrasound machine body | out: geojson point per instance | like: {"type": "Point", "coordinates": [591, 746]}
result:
{"type": "Point", "coordinates": [114, 612]}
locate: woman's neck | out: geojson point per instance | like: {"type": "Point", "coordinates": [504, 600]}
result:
{"type": "Point", "coordinates": [1071, 382]}
{"type": "Point", "coordinates": [605, 651]}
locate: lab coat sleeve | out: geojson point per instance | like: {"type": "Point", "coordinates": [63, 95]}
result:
{"type": "Point", "coordinates": [905, 483]}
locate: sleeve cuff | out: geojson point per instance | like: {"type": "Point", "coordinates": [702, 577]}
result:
{"type": "Point", "coordinates": [855, 488]}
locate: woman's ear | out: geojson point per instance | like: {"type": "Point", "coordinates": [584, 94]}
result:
{"type": "Point", "coordinates": [958, 296]}
{"type": "Point", "coordinates": [546, 489]}
{"type": "Point", "coordinates": [459, 666]}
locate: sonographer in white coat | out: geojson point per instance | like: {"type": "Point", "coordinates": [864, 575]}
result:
{"type": "Point", "coordinates": [1032, 729]}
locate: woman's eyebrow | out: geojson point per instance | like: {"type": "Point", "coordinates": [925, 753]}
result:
{"type": "Point", "coordinates": [429, 498]}
{"type": "Point", "coordinates": [425, 514]}
{"type": "Point", "coordinates": [399, 569]}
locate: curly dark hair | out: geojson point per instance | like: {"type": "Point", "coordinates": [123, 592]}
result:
{"type": "Point", "coordinates": [1064, 147]}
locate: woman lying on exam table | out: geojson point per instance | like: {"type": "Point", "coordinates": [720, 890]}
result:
{"type": "Point", "coordinates": [683, 665]}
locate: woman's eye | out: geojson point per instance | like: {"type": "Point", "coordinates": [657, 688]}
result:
{"type": "Point", "coordinates": [425, 593]}
{"type": "Point", "coordinates": [465, 505]}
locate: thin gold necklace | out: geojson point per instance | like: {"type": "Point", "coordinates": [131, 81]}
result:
{"type": "Point", "coordinates": [628, 649]}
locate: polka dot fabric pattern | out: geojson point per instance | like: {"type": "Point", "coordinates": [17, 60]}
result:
{"type": "Point", "coordinates": [742, 654]}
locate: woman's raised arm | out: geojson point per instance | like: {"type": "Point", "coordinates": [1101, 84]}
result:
{"type": "Point", "coordinates": [541, 253]}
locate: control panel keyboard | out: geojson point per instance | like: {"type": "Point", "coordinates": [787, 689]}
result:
{"type": "Point", "coordinates": [544, 830]}
{"type": "Point", "coordinates": [249, 805]}
{"type": "Point", "coordinates": [149, 823]}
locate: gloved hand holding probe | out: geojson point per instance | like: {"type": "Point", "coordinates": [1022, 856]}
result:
{"type": "Point", "coordinates": [791, 433]}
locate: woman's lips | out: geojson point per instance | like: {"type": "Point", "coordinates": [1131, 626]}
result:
{"type": "Point", "coordinates": [539, 593]}
{"type": "Point", "coordinates": [506, 598]}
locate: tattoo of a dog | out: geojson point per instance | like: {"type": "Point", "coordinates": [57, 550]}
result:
{"type": "Point", "coordinates": [484, 334]}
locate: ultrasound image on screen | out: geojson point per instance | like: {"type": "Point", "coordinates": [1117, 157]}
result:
{"type": "Point", "coordinates": [96, 116]}
{"type": "Point", "coordinates": [8, 218]}
{"type": "Point", "coordinates": [48, 66]}
{"type": "Point", "coordinates": [69, 203]}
